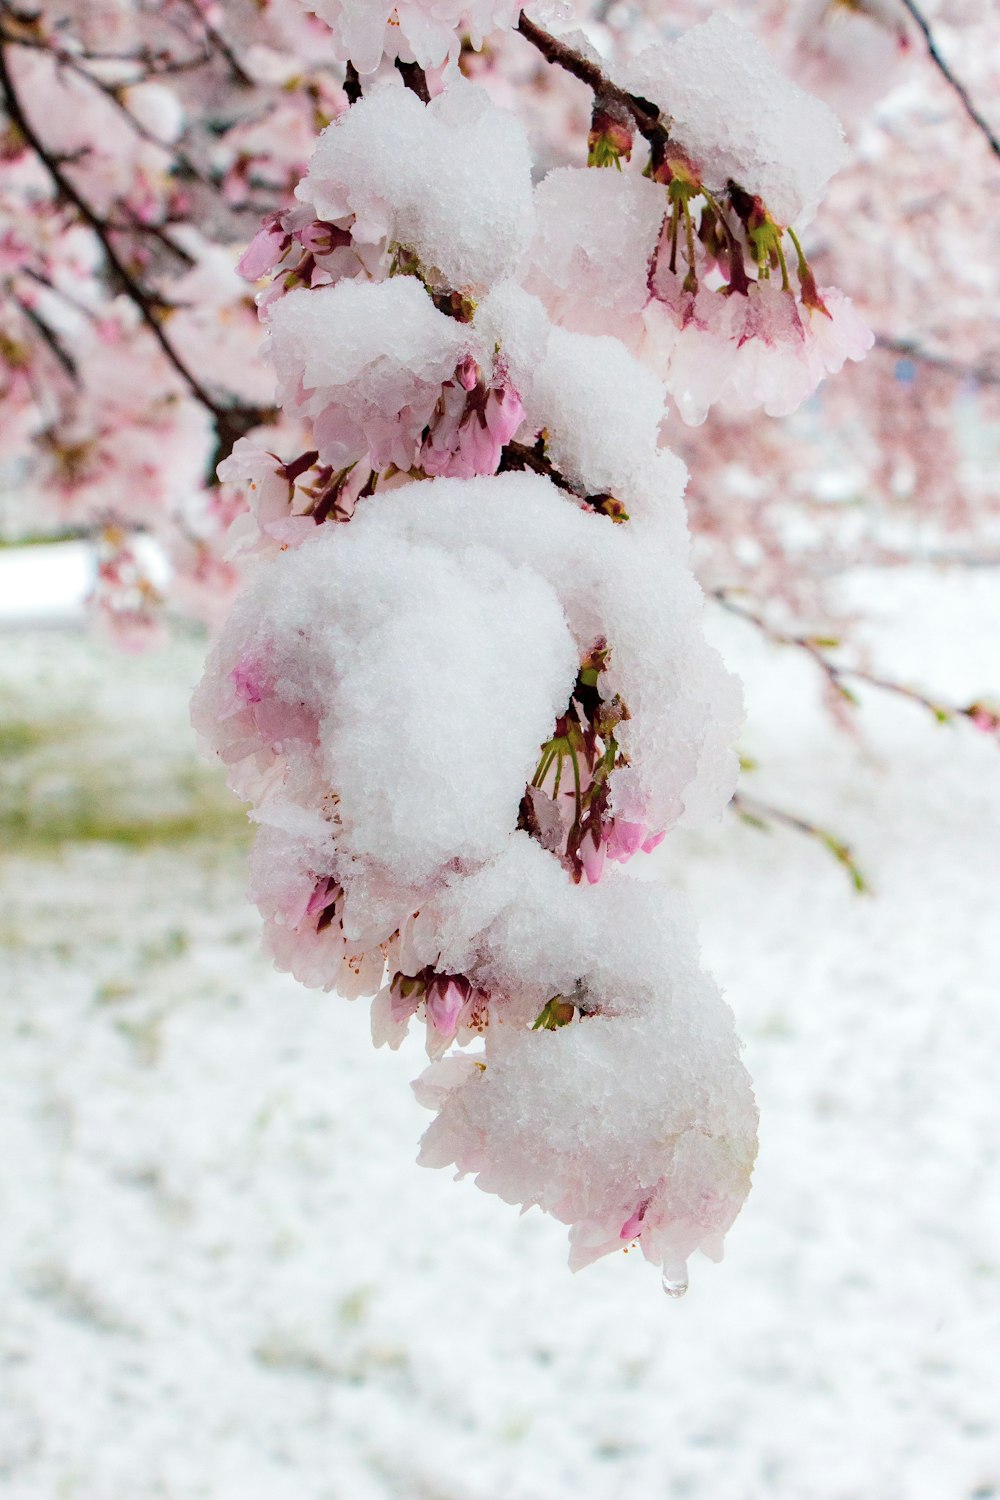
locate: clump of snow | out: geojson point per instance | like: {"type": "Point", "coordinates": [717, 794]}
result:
{"type": "Point", "coordinates": [595, 232]}
{"type": "Point", "coordinates": [450, 181]}
{"type": "Point", "coordinates": [517, 926]}
{"type": "Point", "coordinates": [397, 677]}
{"type": "Point", "coordinates": [600, 409]}
{"type": "Point", "coordinates": [393, 692]}
{"type": "Point", "coordinates": [635, 1120]}
{"type": "Point", "coordinates": [626, 585]}
{"type": "Point", "coordinates": [366, 361]}
{"type": "Point", "coordinates": [740, 118]}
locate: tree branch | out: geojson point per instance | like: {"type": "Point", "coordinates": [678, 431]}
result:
{"type": "Point", "coordinates": [415, 79]}
{"type": "Point", "coordinates": [516, 457]}
{"type": "Point", "coordinates": [762, 814]}
{"type": "Point", "coordinates": [352, 83]}
{"type": "Point", "coordinates": [647, 117]}
{"type": "Point", "coordinates": [980, 122]}
{"type": "Point", "coordinates": [838, 677]}
{"type": "Point", "coordinates": [215, 39]}
{"type": "Point", "coordinates": [49, 338]}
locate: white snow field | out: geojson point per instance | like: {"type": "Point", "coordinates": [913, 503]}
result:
{"type": "Point", "coordinates": [223, 1276]}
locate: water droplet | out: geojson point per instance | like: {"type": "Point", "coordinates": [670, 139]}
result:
{"type": "Point", "coordinates": [675, 1283]}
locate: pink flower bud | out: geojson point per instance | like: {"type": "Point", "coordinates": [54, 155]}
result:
{"type": "Point", "coordinates": [321, 239]}
{"type": "Point", "coordinates": [504, 414]}
{"type": "Point", "coordinates": [478, 447]}
{"type": "Point", "coordinates": [405, 994]}
{"type": "Point", "coordinates": [633, 1225]}
{"type": "Point", "coordinates": [985, 718]}
{"type": "Point", "coordinates": [446, 998]}
{"type": "Point", "coordinates": [593, 856]}
{"type": "Point", "coordinates": [264, 250]}
{"type": "Point", "coordinates": [625, 839]}
{"type": "Point", "coordinates": [324, 895]}
{"type": "Point", "coordinates": [468, 373]}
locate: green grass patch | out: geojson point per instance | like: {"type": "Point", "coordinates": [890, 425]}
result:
{"type": "Point", "coordinates": [24, 830]}
{"type": "Point", "coordinates": [69, 780]}
{"type": "Point", "coordinates": [18, 737]}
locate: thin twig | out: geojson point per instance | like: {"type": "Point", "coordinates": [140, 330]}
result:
{"type": "Point", "coordinates": [762, 814]}
{"type": "Point", "coordinates": [517, 457]}
{"type": "Point", "coordinates": [218, 41]}
{"type": "Point", "coordinates": [49, 338]}
{"type": "Point", "coordinates": [646, 115]}
{"type": "Point", "coordinates": [40, 279]}
{"type": "Point", "coordinates": [944, 69]}
{"type": "Point", "coordinates": [157, 232]}
{"type": "Point", "coordinates": [839, 677]}
{"type": "Point", "coordinates": [183, 168]}
{"type": "Point", "coordinates": [30, 34]}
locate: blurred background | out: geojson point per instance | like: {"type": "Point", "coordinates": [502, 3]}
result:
{"type": "Point", "coordinates": [224, 1275]}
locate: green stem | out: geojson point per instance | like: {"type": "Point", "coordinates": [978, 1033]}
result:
{"type": "Point", "coordinates": [542, 769]}
{"type": "Point", "coordinates": [689, 231]}
{"type": "Point", "coordinates": [803, 263]}
{"type": "Point", "coordinates": [576, 785]}
{"type": "Point", "coordinates": [785, 286]}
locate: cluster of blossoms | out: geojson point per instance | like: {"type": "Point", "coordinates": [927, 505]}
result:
{"type": "Point", "coordinates": [697, 279]}
{"type": "Point", "coordinates": [466, 681]}
{"type": "Point", "coordinates": [879, 468]}
{"type": "Point", "coordinates": [457, 710]}
{"type": "Point", "coordinates": [391, 694]}
{"type": "Point", "coordinates": [142, 143]}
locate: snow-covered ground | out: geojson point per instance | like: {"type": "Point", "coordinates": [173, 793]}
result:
{"type": "Point", "coordinates": [224, 1277]}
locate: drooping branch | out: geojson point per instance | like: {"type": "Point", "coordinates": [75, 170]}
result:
{"type": "Point", "coordinates": [944, 68]}
{"type": "Point", "coordinates": [840, 678]}
{"type": "Point", "coordinates": [648, 120]}
{"type": "Point", "coordinates": [522, 456]}
{"type": "Point", "coordinates": [764, 815]}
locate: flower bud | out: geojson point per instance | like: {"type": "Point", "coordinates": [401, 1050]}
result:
{"type": "Point", "coordinates": [446, 998]}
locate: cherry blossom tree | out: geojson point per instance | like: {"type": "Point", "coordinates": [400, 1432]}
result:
{"type": "Point", "coordinates": [513, 282]}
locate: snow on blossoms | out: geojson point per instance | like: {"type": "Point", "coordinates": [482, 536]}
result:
{"type": "Point", "coordinates": [388, 694]}
{"type": "Point", "coordinates": [450, 181]}
{"type": "Point", "coordinates": [707, 281]}
{"type": "Point", "coordinates": [467, 681]}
